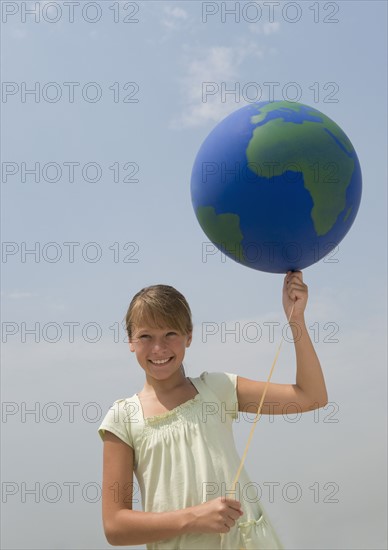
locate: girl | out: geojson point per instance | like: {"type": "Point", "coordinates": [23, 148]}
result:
{"type": "Point", "coordinates": [176, 433]}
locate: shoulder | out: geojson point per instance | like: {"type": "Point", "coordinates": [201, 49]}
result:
{"type": "Point", "coordinates": [119, 418]}
{"type": "Point", "coordinates": [219, 379]}
{"type": "Point", "coordinates": [222, 384]}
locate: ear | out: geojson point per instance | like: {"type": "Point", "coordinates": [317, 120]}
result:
{"type": "Point", "coordinates": [189, 339]}
{"type": "Point", "coordinates": [131, 346]}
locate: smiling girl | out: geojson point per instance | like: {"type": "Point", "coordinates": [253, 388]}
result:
{"type": "Point", "coordinates": [176, 434]}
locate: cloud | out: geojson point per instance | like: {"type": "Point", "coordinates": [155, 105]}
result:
{"type": "Point", "coordinates": [210, 69]}
{"type": "Point", "coordinates": [174, 16]}
{"type": "Point", "coordinates": [269, 28]}
{"type": "Point", "coordinates": [266, 28]}
{"type": "Point", "coordinates": [176, 12]}
{"type": "Point", "coordinates": [16, 295]}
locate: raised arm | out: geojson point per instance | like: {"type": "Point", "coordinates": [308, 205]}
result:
{"type": "Point", "coordinates": [309, 391]}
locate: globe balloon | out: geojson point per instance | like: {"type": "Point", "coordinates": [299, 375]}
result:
{"type": "Point", "coordinates": [276, 186]}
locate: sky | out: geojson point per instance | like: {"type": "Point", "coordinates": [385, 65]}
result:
{"type": "Point", "coordinates": [106, 101]}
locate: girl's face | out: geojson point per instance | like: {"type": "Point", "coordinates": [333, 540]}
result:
{"type": "Point", "coordinates": [159, 352]}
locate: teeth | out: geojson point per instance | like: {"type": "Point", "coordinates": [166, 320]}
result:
{"type": "Point", "coordinates": [161, 362]}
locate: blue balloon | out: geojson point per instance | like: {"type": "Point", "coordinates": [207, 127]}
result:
{"type": "Point", "coordinates": [276, 186]}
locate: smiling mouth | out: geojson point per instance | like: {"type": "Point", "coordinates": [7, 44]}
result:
{"type": "Point", "coordinates": [160, 362]}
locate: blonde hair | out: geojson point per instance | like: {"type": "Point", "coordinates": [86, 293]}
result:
{"type": "Point", "coordinates": [159, 306]}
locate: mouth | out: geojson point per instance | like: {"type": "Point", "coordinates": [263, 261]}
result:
{"type": "Point", "coordinates": [160, 362]}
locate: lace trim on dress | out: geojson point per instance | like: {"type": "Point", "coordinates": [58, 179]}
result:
{"type": "Point", "coordinates": [184, 409]}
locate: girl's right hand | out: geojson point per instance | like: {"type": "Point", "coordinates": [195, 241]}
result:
{"type": "Point", "coordinates": [215, 516]}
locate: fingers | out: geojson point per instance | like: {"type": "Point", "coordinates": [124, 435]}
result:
{"type": "Point", "coordinates": [293, 275]}
{"type": "Point", "coordinates": [294, 282]}
{"type": "Point", "coordinates": [232, 503]}
{"type": "Point", "coordinates": [295, 287]}
{"type": "Point", "coordinates": [230, 519]}
{"type": "Point", "coordinates": [234, 512]}
{"type": "Point", "coordinates": [295, 291]}
{"type": "Point", "coordinates": [231, 513]}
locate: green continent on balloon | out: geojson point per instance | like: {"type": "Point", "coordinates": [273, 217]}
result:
{"type": "Point", "coordinates": [223, 230]}
{"type": "Point", "coordinates": [277, 106]}
{"type": "Point", "coordinates": [324, 160]}
{"type": "Point", "coordinates": [347, 213]}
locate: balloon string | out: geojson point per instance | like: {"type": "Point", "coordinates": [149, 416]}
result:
{"type": "Point", "coordinates": [258, 415]}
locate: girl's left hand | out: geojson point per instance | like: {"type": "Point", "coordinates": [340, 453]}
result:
{"type": "Point", "coordinates": [294, 291]}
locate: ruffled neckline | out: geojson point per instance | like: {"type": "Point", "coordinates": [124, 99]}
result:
{"type": "Point", "coordinates": [182, 408]}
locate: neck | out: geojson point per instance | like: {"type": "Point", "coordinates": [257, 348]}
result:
{"type": "Point", "coordinates": [174, 382]}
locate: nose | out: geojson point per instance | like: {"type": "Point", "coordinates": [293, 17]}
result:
{"type": "Point", "coordinates": [159, 344]}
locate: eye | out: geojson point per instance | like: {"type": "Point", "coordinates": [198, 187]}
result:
{"type": "Point", "coordinates": [171, 333]}
{"type": "Point", "coordinates": [144, 336]}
